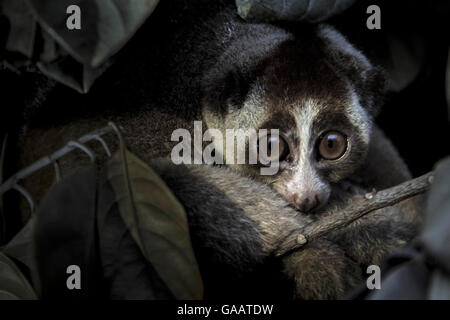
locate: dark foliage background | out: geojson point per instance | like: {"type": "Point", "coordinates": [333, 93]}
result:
{"type": "Point", "coordinates": [413, 45]}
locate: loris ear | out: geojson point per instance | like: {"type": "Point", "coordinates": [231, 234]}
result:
{"type": "Point", "coordinates": [225, 88]}
{"type": "Point", "coordinates": [372, 90]}
{"type": "Point", "coordinates": [367, 80]}
{"type": "Point", "coordinates": [227, 82]}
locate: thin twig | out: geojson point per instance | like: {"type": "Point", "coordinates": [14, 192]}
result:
{"type": "Point", "coordinates": [44, 161]}
{"type": "Point", "coordinates": [358, 207]}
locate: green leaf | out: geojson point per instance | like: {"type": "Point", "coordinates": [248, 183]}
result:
{"type": "Point", "coordinates": [13, 284]}
{"type": "Point", "coordinates": [157, 223]}
{"type": "Point", "coordinates": [65, 234]}
{"type": "Point", "coordinates": [22, 25]}
{"type": "Point", "coordinates": [72, 74]}
{"type": "Point", "coordinates": [128, 274]}
{"type": "Point", "coordinates": [406, 57]}
{"type": "Point", "coordinates": [21, 248]}
{"type": "Point", "coordinates": [105, 25]}
{"type": "Point", "coordinates": [301, 10]}
{"type": "Point", "coordinates": [38, 34]}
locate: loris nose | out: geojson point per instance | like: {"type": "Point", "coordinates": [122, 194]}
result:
{"type": "Point", "coordinates": [307, 201]}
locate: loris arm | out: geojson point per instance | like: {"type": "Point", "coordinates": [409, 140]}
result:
{"type": "Point", "coordinates": [242, 219]}
{"type": "Point", "coordinates": [236, 225]}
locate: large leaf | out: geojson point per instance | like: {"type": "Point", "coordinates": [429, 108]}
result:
{"type": "Point", "coordinates": [406, 57]}
{"type": "Point", "coordinates": [302, 10]}
{"type": "Point", "coordinates": [13, 284]}
{"type": "Point", "coordinates": [65, 235]}
{"type": "Point", "coordinates": [157, 223]}
{"type": "Point", "coordinates": [436, 234]}
{"type": "Point", "coordinates": [73, 57]}
{"type": "Point", "coordinates": [21, 248]}
{"type": "Point", "coordinates": [105, 25]}
{"type": "Point", "coordinates": [128, 275]}
{"type": "Point", "coordinates": [22, 26]}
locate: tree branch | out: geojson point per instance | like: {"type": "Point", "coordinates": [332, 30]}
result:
{"type": "Point", "coordinates": [358, 207]}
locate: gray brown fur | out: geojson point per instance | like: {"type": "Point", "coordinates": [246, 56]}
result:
{"type": "Point", "coordinates": [207, 68]}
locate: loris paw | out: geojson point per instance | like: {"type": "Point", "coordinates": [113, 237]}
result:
{"type": "Point", "coordinates": [371, 238]}
{"type": "Point", "coordinates": [321, 271]}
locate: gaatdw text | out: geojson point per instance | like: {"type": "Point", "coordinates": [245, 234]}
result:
{"type": "Point", "coordinates": [250, 309]}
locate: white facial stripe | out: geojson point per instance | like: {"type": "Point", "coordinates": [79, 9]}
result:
{"type": "Point", "coordinates": [305, 177]}
{"type": "Point", "coordinates": [304, 120]}
{"type": "Point", "coordinates": [358, 116]}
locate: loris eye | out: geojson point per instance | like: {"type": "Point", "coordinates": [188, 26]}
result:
{"type": "Point", "coordinates": [332, 145]}
{"type": "Point", "coordinates": [272, 142]}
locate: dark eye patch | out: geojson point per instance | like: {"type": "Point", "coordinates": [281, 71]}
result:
{"type": "Point", "coordinates": [333, 119]}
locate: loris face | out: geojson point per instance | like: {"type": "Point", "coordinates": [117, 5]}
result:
{"type": "Point", "coordinates": [319, 144]}
{"type": "Point", "coordinates": [323, 118]}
